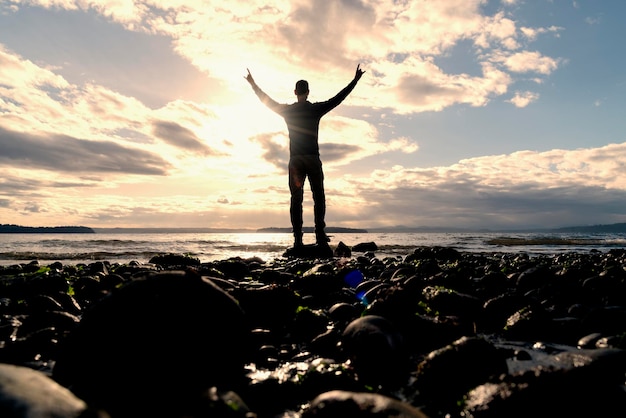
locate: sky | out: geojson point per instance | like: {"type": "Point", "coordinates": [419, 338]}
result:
{"type": "Point", "coordinates": [499, 114]}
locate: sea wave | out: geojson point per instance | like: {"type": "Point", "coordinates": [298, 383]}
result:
{"type": "Point", "coordinates": [123, 248]}
{"type": "Point", "coordinates": [74, 256]}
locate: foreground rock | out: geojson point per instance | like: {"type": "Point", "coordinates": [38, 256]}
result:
{"type": "Point", "coordinates": [437, 333]}
{"type": "Point", "coordinates": [338, 403]}
{"type": "Point", "coordinates": [152, 346]}
{"type": "Point", "coordinates": [25, 392]}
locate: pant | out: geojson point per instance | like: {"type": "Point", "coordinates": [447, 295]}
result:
{"type": "Point", "coordinates": [301, 167]}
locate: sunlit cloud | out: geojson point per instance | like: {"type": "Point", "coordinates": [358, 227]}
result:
{"type": "Point", "coordinates": [523, 99]}
{"type": "Point", "coordinates": [533, 33]}
{"type": "Point", "coordinates": [281, 40]}
{"type": "Point", "coordinates": [529, 61]}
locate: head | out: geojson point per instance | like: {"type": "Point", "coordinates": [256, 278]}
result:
{"type": "Point", "coordinates": [302, 88]}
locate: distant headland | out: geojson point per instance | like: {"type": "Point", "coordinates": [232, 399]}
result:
{"type": "Point", "coordinates": [17, 229]}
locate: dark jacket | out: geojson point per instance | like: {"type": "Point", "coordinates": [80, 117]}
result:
{"type": "Point", "coordinates": [303, 119]}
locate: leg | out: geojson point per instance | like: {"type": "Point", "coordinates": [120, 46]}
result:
{"type": "Point", "coordinates": [296, 188]}
{"type": "Point", "coordinates": [316, 179]}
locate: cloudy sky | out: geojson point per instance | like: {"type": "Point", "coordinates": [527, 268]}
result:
{"type": "Point", "coordinates": [471, 113]}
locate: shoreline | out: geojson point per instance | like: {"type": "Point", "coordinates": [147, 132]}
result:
{"type": "Point", "coordinates": [537, 246]}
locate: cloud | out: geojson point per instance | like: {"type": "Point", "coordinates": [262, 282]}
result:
{"type": "Point", "coordinates": [337, 152]}
{"type": "Point", "coordinates": [34, 98]}
{"type": "Point", "coordinates": [274, 150]}
{"type": "Point", "coordinates": [403, 144]}
{"type": "Point", "coordinates": [37, 186]}
{"type": "Point", "coordinates": [532, 33]}
{"type": "Point", "coordinates": [180, 137]}
{"type": "Point", "coordinates": [34, 209]}
{"type": "Point", "coordinates": [523, 99]}
{"type": "Point", "coordinates": [324, 39]}
{"type": "Point", "coordinates": [313, 32]}
{"type": "Point", "coordinates": [420, 90]}
{"type": "Point", "coordinates": [64, 153]}
{"type": "Point", "coordinates": [522, 189]}
{"type": "Point", "coordinates": [528, 61]}
{"type": "Point", "coordinates": [342, 141]}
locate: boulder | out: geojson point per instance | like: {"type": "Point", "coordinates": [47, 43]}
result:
{"type": "Point", "coordinates": [28, 393]}
{"type": "Point", "coordinates": [152, 345]}
{"type": "Point", "coordinates": [339, 403]}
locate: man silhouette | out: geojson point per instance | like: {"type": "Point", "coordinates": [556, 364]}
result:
{"type": "Point", "coordinates": [303, 120]}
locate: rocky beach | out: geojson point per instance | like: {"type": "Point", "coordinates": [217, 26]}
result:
{"type": "Point", "coordinates": [437, 333]}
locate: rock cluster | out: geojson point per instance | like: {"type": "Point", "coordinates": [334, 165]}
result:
{"type": "Point", "coordinates": [438, 333]}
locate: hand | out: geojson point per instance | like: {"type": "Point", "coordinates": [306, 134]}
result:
{"type": "Point", "coordinates": [249, 78]}
{"type": "Point", "coordinates": [359, 72]}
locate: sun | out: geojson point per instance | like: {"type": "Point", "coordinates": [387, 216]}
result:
{"type": "Point", "coordinates": [247, 118]}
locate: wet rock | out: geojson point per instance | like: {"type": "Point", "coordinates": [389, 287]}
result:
{"type": "Point", "coordinates": [534, 277]}
{"type": "Point", "coordinates": [446, 374]}
{"type": "Point", "coordinates": [308, 323]}
{"type": "Point", "coordinates": [339, 403]}
{"type": "Point", "coordinates": [319, 289]}
{"type": "Point", "coordinates": [27, 393]}
{"type": "Point", "coordinates": [451, 302]}
{"type": "Point", "coordinates": [562, 389]}
{"type": "Point", "coordinates": [377, 351]}
{"type": "Point", "coordinates": [99, 267]}
{"type": "Point", "coordinates": [222, 404]}
{"type": "Point", "coordinates": [606, 319]}
{"type": "Point", "coordinates": [342, 250]}
{"type": "Point", "coordinates": [343, 312]}
{"type": "Point", "coordinates": [310, 251]}
{"type": "Point", "coordinates": [497, 310]}
{"type": "Point", "coordinates": [233, 268]}
{"type": "Point", "coordinates": [174, 260]}
{"type": "Point", "coordinates": [365, 247]}
{"type": "Point", "coordinates": [269, 306]}
{"type": "Point", "coordinates": [528, 324]}
{"type": "Point", "coordinates": [152, 345]}
{"type": "Point", "coordinates": [434, 253]}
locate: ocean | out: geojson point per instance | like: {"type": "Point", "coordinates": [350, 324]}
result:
{"type": "Point", "coordinates": [125, 247]}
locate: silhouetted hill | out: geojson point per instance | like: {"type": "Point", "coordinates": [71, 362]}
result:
{"type": "Point", "coordinates": [17, 229]}
{"type": "Point", "coordinates": [170, 231]}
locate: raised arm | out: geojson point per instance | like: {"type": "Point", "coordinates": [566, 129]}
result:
{"type": "Point", "coordinates": [339, 97]}
{"type": "Point", "coordinates": [359, 73]}
{"type": "Point", "coordinates": [265, 99]}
